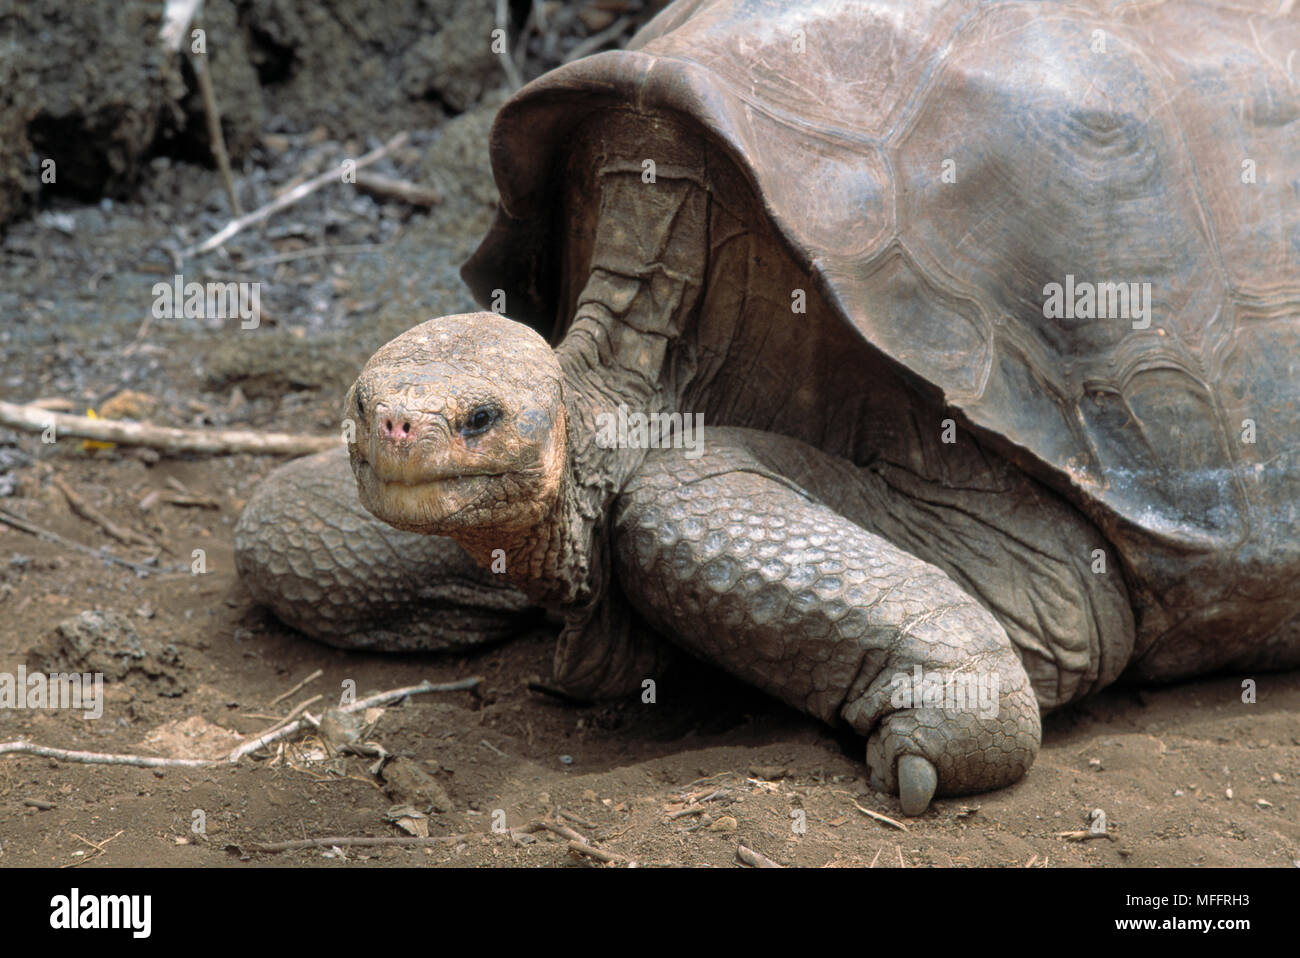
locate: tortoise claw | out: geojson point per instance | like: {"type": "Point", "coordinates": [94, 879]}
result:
{"type": "Point", "coordinates": [917, 780]}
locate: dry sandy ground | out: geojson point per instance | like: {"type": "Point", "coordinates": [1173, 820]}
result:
{"type": "Point", "coordinates": [1187, 775]}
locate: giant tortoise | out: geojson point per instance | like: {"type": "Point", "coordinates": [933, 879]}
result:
{"type": "Point", "coordinates": [991, 315]}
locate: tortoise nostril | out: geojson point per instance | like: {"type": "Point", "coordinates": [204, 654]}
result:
{"type": "Point", "coordinates": [399, 429]}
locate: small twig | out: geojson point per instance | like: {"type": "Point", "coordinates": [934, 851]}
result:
{"type": "Point", "coordinates": [755, 859]}
{"type": "Point", "coordinates": [576, 842]}
{"type": "Point", "coordinates": [387, 188]}
{"type": "Point", "coordinates": [37, 803]}
{"type": "Point", "coordinates": [564, 831]}
{"type": "Point", "coordinates": [312, 166]}
{"type": "Point", "coordinates": [177, 16]}
{"type": "Point", "coordinates": [884, 819]}
{"type": "Point", "coordinates": [139, 568]}
{"type": "Point", "coordinates": [216, 441]}
{"type": "Point", "coordinates": [147, 761]}
{"type": "Point", "coordinates": [266, 738]}
{"type": "Point", "coordinates": [513, 75]}
{"type": "Point", "coordinates": [388, 698]}
{"type": "Point", "coordinates": [216, 139]}
{"type": "Point", "coordinates": [284, 695]}
{"type": "Point", "coordinates": [293, 713]}
{"type": "Point", "coordinates": [1083, 835]}
{"type": "Point", "coordinates": [535, 13]}
{"type": "Point", "coordinates": [561, 813]}
{"type": "Point", "coordinates": [307, 253]}
{"type": "Point", "coordinates": [684, 812]}
{"type": "Point", "coordinates": [184, 500]}
{"type": "Point", "coordinates": [84, 509]}
{"type": "Point", "coordinates": [55, 403]}
{"type": "Point", "coordinates": [560, 694]}
{"type": "Point", "coordinates": [291, 197]}
{"type": "Point", "coordinates": [98, 846]}
{"type": "Point", "coordinates": [353, 841]}
{"type": "Point", "coordinates": [598, 40]}
{"type": "Point", "coordinates": [101, 758]}
{"type": "Point", "coordinates": [381, 698]}
{"type": "Point", "coordinates": [488, 745]}
{"type": "Point", "coordinates": [582, 848]}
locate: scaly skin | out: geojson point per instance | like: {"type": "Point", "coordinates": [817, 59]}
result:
{"type": "Point", "coordinates": [1051, 528]}
{"type": "Point", "coordinates": [855, 611]}
{"type": "Point", "coordinates": [750, 572]}
{"type": "Point", "coordinates": [305, 548]}
{"type": "Point", "coordinates": [472, 427]}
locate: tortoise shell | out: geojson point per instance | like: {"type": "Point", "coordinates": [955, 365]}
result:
{"type": "Point", "coordinates": [1078, 224]}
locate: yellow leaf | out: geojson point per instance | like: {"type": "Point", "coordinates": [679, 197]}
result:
{"type": "Point", "coordinates": [88, 445]}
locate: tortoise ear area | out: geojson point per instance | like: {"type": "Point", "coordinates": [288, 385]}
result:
{"type": "Point", "coordinates": [353, 408]}
{"type": "Point", "coordinates": [533, 424]}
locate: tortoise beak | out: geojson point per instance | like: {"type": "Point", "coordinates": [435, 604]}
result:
{"type": "Point", "coordinates": [405, 446]}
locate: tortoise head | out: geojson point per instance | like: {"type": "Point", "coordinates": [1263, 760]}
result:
{"type": "Point", "coordinates": [460, 428]}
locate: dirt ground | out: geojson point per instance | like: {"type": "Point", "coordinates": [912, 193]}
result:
{"type": "Point", "coordinates": [1186, 775]}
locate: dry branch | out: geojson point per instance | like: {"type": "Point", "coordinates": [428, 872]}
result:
{"type": "Point", "coordinates": [147, 761]}
{"type": "Point", "coordinates": [582, 848]}
{"type": "Point", "coordinates": [139, 568]}
{"type": "Point", "coordinates": [293, 196]}
{"type": "Point", "coordinates": [755, 859]}
{"type": "Point", "coordinates": [100, 758]}
{"type": "Point", "coordinates": [883, 819]}
{"type": "Point", "coordinates": [30, 418]}
{"type": "Point", "coordinates": [387, 188]}
{"type": "Point", "coordinates": [216, 139]}
{"type": "Point", "coordinates": [284, 695]}
{"type": "Point", "coordinates": [598, 40]}
{"type": "Point", "coordinates": [350, 841]}
{"type": "Point", "coordinates": [88, 512]}
{"type": "Point", "coordinates": [513, 76]}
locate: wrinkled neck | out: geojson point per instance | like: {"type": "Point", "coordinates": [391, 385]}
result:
{"type": "Point", "coordinates": [561, 561]}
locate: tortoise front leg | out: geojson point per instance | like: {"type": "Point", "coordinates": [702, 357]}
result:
{"type": "Point", "coordinates": [305, 548]}
{"type": "Point", "coordinates": [743, 568]}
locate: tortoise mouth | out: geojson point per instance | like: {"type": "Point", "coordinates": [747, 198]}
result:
{"type": "Point", "coordinates": [430, 503]}
{"type": "Point", "coordinates": [408, 473]}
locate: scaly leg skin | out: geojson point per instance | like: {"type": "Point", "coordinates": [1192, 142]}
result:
{"type": "Point", "coordinates": [740, 566]}
{"type": "Point", "coordinates": [306, 548]}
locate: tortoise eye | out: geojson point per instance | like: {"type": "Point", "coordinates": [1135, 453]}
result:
{"type": "Point", "coordinates": [479, 422]}
{"type": "Point", "coordinates": [361, 407]}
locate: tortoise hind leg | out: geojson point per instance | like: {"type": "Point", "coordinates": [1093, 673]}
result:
{"type": "Point", "coordinates": [740, 566]}
{"type": "Point", "coordinates": [306, 548]}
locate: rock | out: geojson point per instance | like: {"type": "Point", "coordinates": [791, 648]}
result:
{"type": "Point", "coordinates": [456, 65]}
{"type": "Point", "coordinates": [405, 782]}
{"type": "Point", "coordinates": [107, 642]}
{"type": "Point", "coordinates": [339, 729]}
